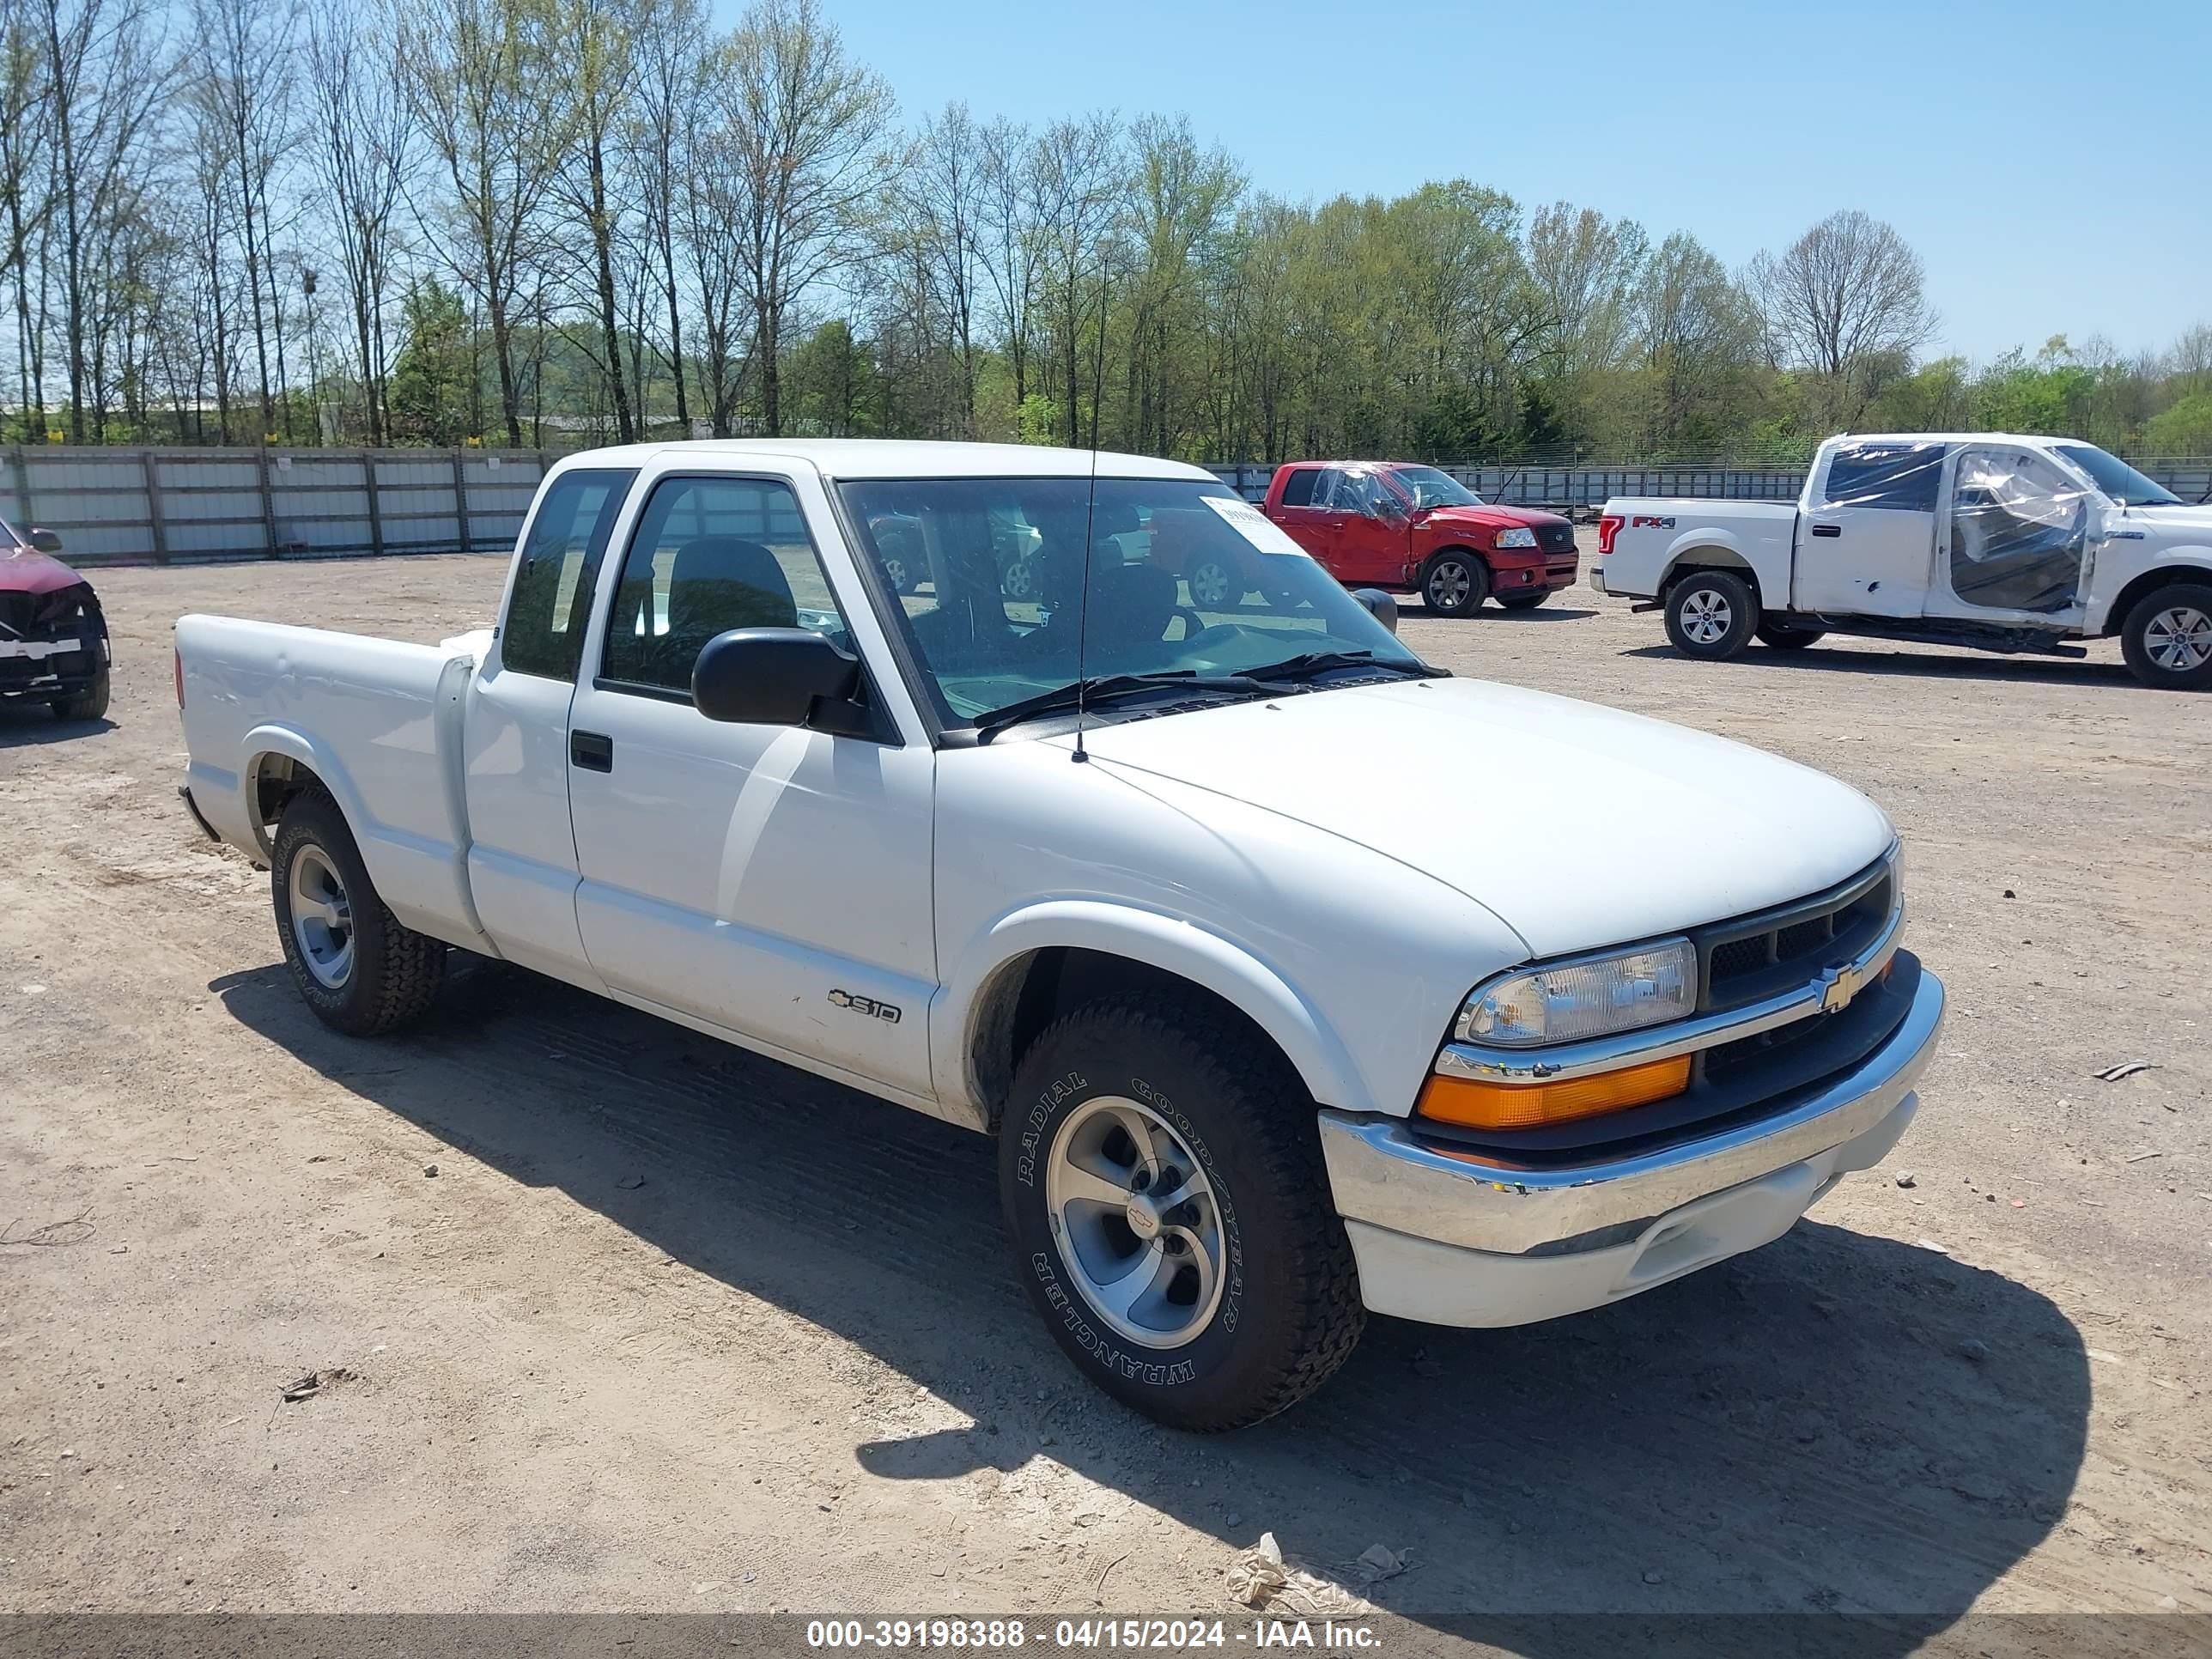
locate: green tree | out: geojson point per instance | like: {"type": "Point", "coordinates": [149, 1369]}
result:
{"type": "Point", "coordinates": [432, 382]}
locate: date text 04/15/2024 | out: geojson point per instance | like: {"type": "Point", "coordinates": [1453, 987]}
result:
{"type": "Point", "coordinates": [1126, 1635]}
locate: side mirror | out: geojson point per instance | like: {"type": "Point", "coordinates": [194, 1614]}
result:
{"type": "Point", "coordinates": [771, 676]}
{"type": "Point", "coordinates": [45, 541]}
{"type": "Point", "coordinates": [1379, 606]}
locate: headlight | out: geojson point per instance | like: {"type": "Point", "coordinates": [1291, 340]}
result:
{"type": "Point", "coordinates": [1624, 992]}
{"type": "Point", "coordinates": [1521, 537]}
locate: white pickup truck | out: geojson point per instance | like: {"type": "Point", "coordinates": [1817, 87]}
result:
{"type": "Point", "coordinates": [1980, 539]}
{"type": "Point", "coordinates": [1248, 962]}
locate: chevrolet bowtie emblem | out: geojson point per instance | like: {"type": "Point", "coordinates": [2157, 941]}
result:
{"type": "Point", "coordinates": [1837, 987]}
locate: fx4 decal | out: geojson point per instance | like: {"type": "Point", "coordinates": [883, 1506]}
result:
{"type": "Point", "coordinates": [1643, 522]}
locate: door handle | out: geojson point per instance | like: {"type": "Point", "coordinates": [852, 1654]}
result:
{"type": "Point", "coordinates": [1828, 530]}
{"type": "Point", "coordinates": [593, 751]}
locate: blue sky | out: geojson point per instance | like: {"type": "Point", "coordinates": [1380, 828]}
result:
{"type": "Point", "coordinates": [2052, 163]}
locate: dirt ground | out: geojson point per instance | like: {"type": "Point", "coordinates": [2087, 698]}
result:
{"type": "Point", "coordinates": [627, 1321]}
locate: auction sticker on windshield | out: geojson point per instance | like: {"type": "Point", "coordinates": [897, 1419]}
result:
{"type": "Point", "coordinates": [1253, 525]}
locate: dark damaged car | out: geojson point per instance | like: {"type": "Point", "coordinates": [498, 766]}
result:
{"type": "Point", "coordinates": [53, 639]}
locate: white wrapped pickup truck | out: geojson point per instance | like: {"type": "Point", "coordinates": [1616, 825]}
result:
{"type": "Point", "coordinates": [1981, 540]}
{"type": "Point", "coordinates": [1294, 977]}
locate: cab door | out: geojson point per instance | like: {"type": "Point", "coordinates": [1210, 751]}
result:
{"type": "Point", "coordinates": [1370, 530]}
{"type": "Point", "coordinates": [1304, 511]}
{"type": "Point", "coordinates": [2016, 542]}
{"type": "Point", "coordinates": [1866, 542]}
{"type": "Point", "coordinates": [522, 854]}
{"type": "Point", "coordinates": [771, 881]}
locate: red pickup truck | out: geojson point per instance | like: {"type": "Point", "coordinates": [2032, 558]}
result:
{"type": "Point", "coordinates": [1414, 529]}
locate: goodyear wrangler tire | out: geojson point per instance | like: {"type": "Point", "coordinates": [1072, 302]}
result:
{"type": "Point", "coordinates": [355, 964]}
{"type": "Point", "coordinates": [1163, 1190]}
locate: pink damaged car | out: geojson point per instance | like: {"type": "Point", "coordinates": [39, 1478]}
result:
{"type": "Point", "coordinates": [53, 639]}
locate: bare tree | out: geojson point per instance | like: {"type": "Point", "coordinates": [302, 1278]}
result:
{"type": "Point", "coordinates": [809, 126]}
{"type": "Point", "coordinates": [1078, 170]}
{"type": "Point", "coordinates": [597, 56]}
{"type": "Point", "coordinates": [671, 59]}
{"type": "Point", "coordinates": [481, 75]}
{"type": "Point", "coordinates": [241, 56]}
{"type": "Point", "coordinates": [361, 151]}
{"type": "Point", "coordinates": [108, 84]}
{"type": "Point", "coordinates": [1013, 240]}
{"type": "Point", "coordinates": [1846, 293]}
{"type": "Point", "coordinates": [26, 117]}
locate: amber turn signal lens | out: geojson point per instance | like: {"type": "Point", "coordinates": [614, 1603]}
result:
{"type": "Point", "coordinates": [1530, 1105]}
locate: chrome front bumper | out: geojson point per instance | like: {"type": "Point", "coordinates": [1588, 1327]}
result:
{"type": "Point", "coordinates": [1382, 1177]}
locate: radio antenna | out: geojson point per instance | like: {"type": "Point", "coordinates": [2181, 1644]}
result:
{"type": "Point", "coordinates": [1082, 618]}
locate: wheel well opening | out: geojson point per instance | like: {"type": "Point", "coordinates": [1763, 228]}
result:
{"type": "Point", "coordinates": [2149, 582]}
{"type": "Point", "coordinates": [276, 780]}
{"type": "Point", "coordinates": [1034, 990]}
{"type": "Point", "coordinates": [1698, 560]}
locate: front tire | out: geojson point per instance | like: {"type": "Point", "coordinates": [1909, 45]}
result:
{"type": "Point", "coordinates": [1164, 1191]}
{"type": "Point", "coordinates": [89, 704]}
{"type": "Point", "coordinates": [354, 964]}
{"type": "Point", "coordinates": [2167, 638]}
{"type": "Point", "coordinates": [1455, 585]}
{"type": "Point", "coordinates": [1711, 614]}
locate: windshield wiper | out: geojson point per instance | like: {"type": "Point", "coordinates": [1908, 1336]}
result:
{"type": "Point", "coordinates": [1309, 663]}
{"type": "Point", "coordinates": [1111, 688]}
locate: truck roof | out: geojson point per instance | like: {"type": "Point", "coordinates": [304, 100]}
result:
{"type": "Point", "coordinates": [888, 457]}
{"type": "Point", "coordinates": [1951, 438]}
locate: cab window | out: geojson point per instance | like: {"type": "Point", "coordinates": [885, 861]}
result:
{"type": "Point", "coordinates": [709, 555]}
{"type": "Point", "coordinates": [1298, 488]}
{"type": "Point", "coordinates": [1900, 477]}
{"type": "Point", "coordinates": [557, 571]}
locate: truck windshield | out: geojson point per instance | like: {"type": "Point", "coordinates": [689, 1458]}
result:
{"type": "Point", "coordinates": [1186, 579]}
{"type": "Point", "coordinates": [2117, 478]}
{"type": "Point", "coordinates": [1430, 487]}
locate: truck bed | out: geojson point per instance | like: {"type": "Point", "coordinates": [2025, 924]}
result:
{"type": "Point", "coordinates": [378, 720]}
{"type": "Point", "coordinates": [1654, 532]}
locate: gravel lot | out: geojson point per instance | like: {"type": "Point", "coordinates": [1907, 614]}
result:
{"type": "Point", "coordinates": [631, 1321]}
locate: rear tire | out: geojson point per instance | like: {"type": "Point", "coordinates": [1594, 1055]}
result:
{"type": "Point", "coordinates": [1780, 636]}
{"type": "Point", "coordinates": [1711, 614]}
{"type": "Point", "coordinates": [1455, 585]}
{"type": "Point", "coordinates": [358, 969]}
{"type": "Point", "coordinates": [2167, 638]}
{"type": "Point", "coordinates": [1250, 1298]}
{"type": "Point", "coordinates": [89, 704]}
{"type": "Point", "coordinates": [1527, 600]}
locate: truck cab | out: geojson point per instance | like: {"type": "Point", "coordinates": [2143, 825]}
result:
{"type": "Point", "coordinates": [1411, 528]}
{"type": "Point", "coordinates": [1992, 541]}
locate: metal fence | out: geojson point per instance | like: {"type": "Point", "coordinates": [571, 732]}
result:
{"type": "Point", "coordinates": [140, 505]}
{"type": "Point", "coordinates": [1590, 486]}
{"type": "Point", "coordinates": [134, 506]}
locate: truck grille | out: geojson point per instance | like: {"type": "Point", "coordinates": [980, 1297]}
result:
{"type": "Point", "coordinates": [17, 610]}
{"type": "Point", "coordinates": [1780, 949]}
{"type": "Point", "coordinates": [1556, 538]}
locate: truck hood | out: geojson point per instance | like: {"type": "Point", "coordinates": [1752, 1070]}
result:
{"type": "Point", "coordinates": [30, 572]}
{"type": "Point", "coordinates": [1579, 826]}
{"type": "Point", "coordinates": [2170, 521]}
{"type": "Point", "coordinates": [1490, 516]}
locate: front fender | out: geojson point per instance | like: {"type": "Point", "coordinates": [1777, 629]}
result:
{"type": "Point", "coordinates": [1171, 943]}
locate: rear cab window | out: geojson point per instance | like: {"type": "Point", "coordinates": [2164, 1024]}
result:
{"type": "Point", "coordinates": [1298, 488]}
{"type": "Point", "coordinates": [1893, 478]}
{"type": "Point", "coordinates": [557, 571]}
